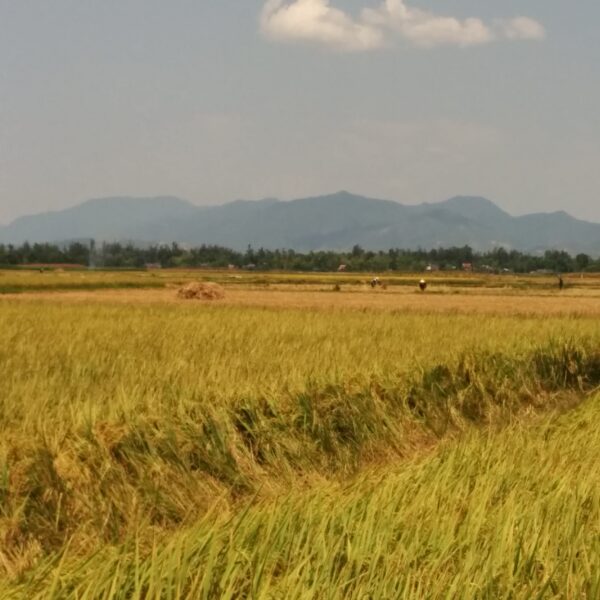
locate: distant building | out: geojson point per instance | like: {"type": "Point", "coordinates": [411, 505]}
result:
{"type": "Point", "coordinates": [467, 266]}
{"type": "Point", "coordinates": [153, 266]}
{"type": "Point", "coordinates": [342, 268]}
{"type": "Point", "coordinates": [430, 268]}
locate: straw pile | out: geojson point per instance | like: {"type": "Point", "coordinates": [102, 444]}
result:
{"type": "Point", "coordinates": [201, 291]}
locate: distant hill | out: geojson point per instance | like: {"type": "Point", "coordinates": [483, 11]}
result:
{"type": "Point", "coordinates": [336, 221]}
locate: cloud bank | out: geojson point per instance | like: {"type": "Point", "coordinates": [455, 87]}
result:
{"type": "Point", "coordinates": [317, 21]}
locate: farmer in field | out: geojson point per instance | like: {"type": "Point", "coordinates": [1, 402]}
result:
{"type": "Point", "coordinates": [561, 283]}
{"type": "Point", "coordinates": [375, 282]}
{"type": "Point", "coordinates": [422, 285]}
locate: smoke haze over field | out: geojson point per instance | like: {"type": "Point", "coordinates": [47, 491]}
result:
{"type": "Point", "coordinates": [412, 100]}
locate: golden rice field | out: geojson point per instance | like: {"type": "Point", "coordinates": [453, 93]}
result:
{"type": "Point", "coordinates": [294, 442]}
{"type": "Point", "coordinates": [20, 280]}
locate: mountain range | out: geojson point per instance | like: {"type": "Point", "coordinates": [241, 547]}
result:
{"type": "Point", "coordinates": [336, 221]}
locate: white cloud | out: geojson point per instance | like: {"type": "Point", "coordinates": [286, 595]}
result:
{"type": "Point", "coordinates": [318, 21]}
{"type": "Point", "coordinates": [522, 28]}
{"type": "Point", "coordinates": [424, 28]}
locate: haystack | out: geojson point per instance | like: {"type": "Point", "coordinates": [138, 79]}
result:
{"type": "Point", "coordinates": [200, 290]}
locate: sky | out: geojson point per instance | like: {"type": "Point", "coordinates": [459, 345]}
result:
{"type": "Point", "coordinates": [215, 100]}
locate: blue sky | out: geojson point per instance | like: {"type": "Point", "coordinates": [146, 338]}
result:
{"type": "Point", "coordinates": [214, 100]}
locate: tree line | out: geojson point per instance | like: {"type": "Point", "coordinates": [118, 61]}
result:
{"type": "Point", "coordinates": [128, 256]}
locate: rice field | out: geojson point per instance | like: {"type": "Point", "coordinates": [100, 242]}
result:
{"type": "Point", "coordinates": [22, 280]}
{"type": "Point", "coordinates": [293, 442]}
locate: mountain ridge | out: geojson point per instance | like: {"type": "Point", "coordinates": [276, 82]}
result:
{"type": "Point", "coordinates": [333, 222]}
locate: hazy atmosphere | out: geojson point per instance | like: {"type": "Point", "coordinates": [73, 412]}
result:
{"type": "Point", "coordinates": [212, 101]}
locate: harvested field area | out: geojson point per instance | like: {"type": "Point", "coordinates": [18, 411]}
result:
{"type": "Point", "coordinates": [21, 280]}
{"type": "Point", "coordinates": [403, 300]}
{"type": "Point", "coordinates": [299, 443]}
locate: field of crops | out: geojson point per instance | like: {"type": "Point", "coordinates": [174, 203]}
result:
{"type": "Point", "coordinates": [293, 442]}
{"type": "Point", "coordinates": [23, 280]}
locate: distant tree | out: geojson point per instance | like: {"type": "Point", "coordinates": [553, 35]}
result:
{"type": "Point", "coordinates": [357, 251]}
{"type": "Point", "coordinates": [115, 255]}
{"type": "Point", "coordinates": [582, 261]}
